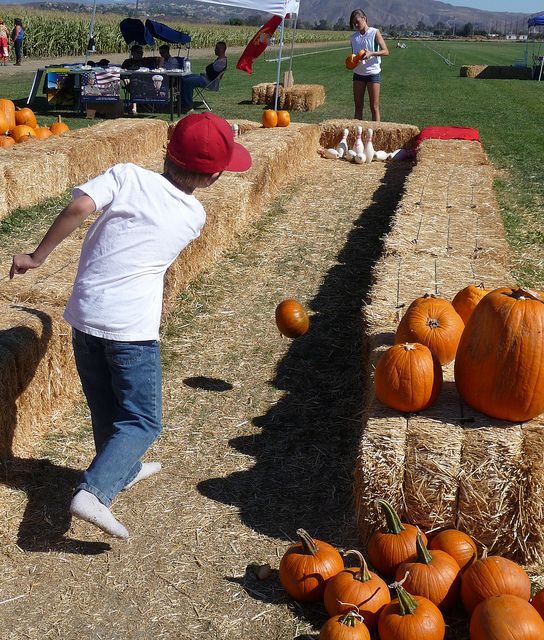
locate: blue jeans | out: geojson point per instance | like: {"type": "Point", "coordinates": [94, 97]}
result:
{"type": "Point", "coordinates": [122, 384]}
{"type": "Point", "coordinates": [188, 84]}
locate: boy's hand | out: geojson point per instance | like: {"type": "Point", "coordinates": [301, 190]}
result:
{"type": "Point", "coordinates": [21, 263]}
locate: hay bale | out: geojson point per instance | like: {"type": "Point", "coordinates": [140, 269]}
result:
{"type": "Point", "coordinates": [38, 379]}
{"type": "Point", "coordinates": [387, 136]}
{"type": "Point", "coordinates": [448, 466]}
{"type": "Point", "coordinates": [304, 97]}
{"type": "Point", "coordinates": [237, 199]}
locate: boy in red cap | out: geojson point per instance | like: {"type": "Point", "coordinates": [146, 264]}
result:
{"type": "Point", "coordinates": [115, 308]}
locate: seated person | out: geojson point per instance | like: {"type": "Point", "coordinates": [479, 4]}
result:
{"type": "Point", "coordinates": [166, 60]}
{"type": "Point", "coordinates": [189, 82]}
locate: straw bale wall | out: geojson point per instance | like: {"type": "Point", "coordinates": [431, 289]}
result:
{"type": "Point", "coordinates": [37, 374]}
{"type": "Point", "coordinates": [484, 71]}
{"type": "Point", "coordinates": [386, 136]}
{"type": "Point", "coordinates": [299, 97]}
{"type": "Point", "coordinates": [448, 466]}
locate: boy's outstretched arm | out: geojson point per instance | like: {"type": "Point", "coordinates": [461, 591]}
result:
{"type": "Point", "coordinates": [67, 221]}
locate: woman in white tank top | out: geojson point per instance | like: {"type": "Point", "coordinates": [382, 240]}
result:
{"type": "Point", "coordinates": [366, 75]}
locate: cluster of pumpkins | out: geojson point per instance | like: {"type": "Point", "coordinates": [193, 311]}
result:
{"type": "Point", "coordinates": [496, 339]}
{"type": "Point", "coordinates": [272, 118]}
{"type": "Point", "coordinates": [20, 124]}
{"type": "Point", "coordinates": [429, 578]}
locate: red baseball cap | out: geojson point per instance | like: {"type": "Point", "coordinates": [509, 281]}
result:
{"type": "Point", "coordinates": [204, 143]}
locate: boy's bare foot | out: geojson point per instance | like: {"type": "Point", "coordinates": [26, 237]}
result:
{"type": "Point", "coordinates": [148, 469]}
{"type": "Point", "coordinates": [88, 507]}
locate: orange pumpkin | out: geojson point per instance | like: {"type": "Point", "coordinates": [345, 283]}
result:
{"type": "Point", "coordinates": [410, 617]}
{"type": "Point", "coordinates": [506, 616]}
{"type": "Point", "coordinates": [538, 602]}
{"type": "Point", "coordinates": [270, 118]}
{"type": "Point", "coordinates": [42, 133]}
{"type": "Point", "coordinates": [307, 565]}
{"type": "Point", "coordinates": [291, 318]}
{"type": "Point", "coordinates": [408, 377]}
{"type": "Point", "coordinates": [22, 132]}
{"type": "Point", "coordinates": [360, 587]}
{"type": "Point", "coordinates": [459, 545]}
{"type": "Point", "coordinates": [500, 361]}
{"type": "Point", "coordinates": [432, 321]}
{"type": "Point", "coordinates": [435, 575]}
{"type": "Point", "coordinates": [59, 127]}
{"type": "Point", "coordinates": [346, 626]}
{"type": "Point", "coordinates": [465, 301]}
{"type": "Point", "coordinates": [7, 107]}
{"type": "Point", "coordinates": [6, 141]}
{"type": "Point", "coordinates": [393, 544]}
{"type": "Point", "coordinates": [25, 116]}
{"type": "Point", "coordinates": [284, 119]}
{"type": "Point", "coordinates": [493, 576]}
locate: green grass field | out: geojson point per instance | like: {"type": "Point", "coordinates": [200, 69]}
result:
{"type": "Point", "coordinates": [418, 87]}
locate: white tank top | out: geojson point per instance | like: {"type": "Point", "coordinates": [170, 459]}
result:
{"type": "Point", "coordinates": [366, 41]}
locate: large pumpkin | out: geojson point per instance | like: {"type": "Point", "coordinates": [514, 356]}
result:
{"type": "Point", "coordinates": [432, 321]}
{"type": "Point", "coordinates": [460, 546]}
{"type": "Point", "coordinates": [435, 575]}
{"type": "Point", "coordinates": [307, 565]}
{"type": "Point", "coordinates": [493, 576]}
{"type": "Point", "coordinates": [346, 626]}
{"type": "Point", "coordinates": [270, 118]}
{"type": "Point", "coordinates": [465, 301]}
{"type": "Point", "coordinates": [59, 127]}
{"type": "Point", "coordinates": [22, 132]}
{"type": "Point", "coordinates": [499, 369]}
{"type": "Point", "coordinates": [506, 618]}
{"type": "Point", "coordinates": [392, 544]}
{"type": "Point", "coordinates": [7, 107]}
{"type": "Point", "coordinates": [408, 377]}
{"type": "Point", "coordinates": [25, 116]}
{"type": "Point", "coordinates": [357, 586]}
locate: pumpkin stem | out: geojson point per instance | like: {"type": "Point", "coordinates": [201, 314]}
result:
{"type": "Point", "coordinates": [393, 523]}
{"type": "Point", "coordinates": [423, 554]}
{"type": "Point", "coordinates": [309, 546]}
{"type": "Point", "coordinates": [351, 618]}
{"type": "Point", "coordinates": [407, 604]}
{"type": "Point", "coordinates": [363, 575]}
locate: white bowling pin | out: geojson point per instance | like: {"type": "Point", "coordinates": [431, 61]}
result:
{"type": "Point", "coordinates": [342, 146]}
{"type": "Point", "coordinates": [358, 146]}
{"type": "Point", "coordinates": [381, 155]}
{"type": "Point", "coordinates": [331, 154]}
{"type": "Point", "coordinates": [369, 147]}
{"type": "Point", "coordinates": [235, 130]}
{"type": "Point", "coordinates": [350, 155]}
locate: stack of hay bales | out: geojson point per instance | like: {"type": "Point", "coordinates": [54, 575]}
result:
{"type": "Point", "coordinates": [448, 466]}
{"type": "Point", "coordinates": [299, 97]}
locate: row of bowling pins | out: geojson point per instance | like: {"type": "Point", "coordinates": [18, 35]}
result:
{"type": "Point", "coordinates": [360, 152]}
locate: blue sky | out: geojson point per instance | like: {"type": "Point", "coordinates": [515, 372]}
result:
{"type": "Point", "coordinates": [521, 6]}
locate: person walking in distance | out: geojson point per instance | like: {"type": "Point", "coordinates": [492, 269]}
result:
{"type": "Point", "coordinates": [17, 36]}
{"type": "Point", "coordinates": [367, 73]}
{"type": "Point", "coordinates": [115, 307]}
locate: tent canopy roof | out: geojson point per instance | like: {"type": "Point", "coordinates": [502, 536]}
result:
{"type": "Point", "coordinates": [536, 21]}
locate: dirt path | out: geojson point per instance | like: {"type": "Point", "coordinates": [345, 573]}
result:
{"type": "Point", "coordinates": [260, 434]}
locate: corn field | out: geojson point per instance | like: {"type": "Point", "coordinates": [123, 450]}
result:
{"type": "Point", "coordinates": [51, 34]}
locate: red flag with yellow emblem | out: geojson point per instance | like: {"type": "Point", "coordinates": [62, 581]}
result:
{"type": "Point", "coordinates": [257, 44]}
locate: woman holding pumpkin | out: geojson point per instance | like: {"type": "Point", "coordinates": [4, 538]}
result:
{"type": "Point", "coordinates": [367, 73]}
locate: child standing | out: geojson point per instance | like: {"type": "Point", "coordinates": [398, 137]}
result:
{"type": "Point", "coordinates": [4, 46]}
{"type": "Point", "coordinates": [367, 74]}
{"type": "Point", "coordinates": [115, 307]}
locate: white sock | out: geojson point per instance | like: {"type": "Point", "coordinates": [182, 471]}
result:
{"type": "Point", "coordinates": [148, 469]}
{"type": "Point", "coordinates": [88, 507]}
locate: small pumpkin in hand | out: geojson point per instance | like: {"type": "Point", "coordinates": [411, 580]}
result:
{"type": "Point", "coordinates": [435, 575]}
{"type": "Point", "coordinates": [357, 586]}
{"type": "Point", "coordinates": [59, 127]}
{"type": "Point", "coordinates": [25, 116]}
{"type": "Point", "coordinates": [493, 576]}
{"type": "Point", "coordinates": [345, 626]}
{"type": "Point", "coordinates": [506, 616]}
{"type": "Point", "coordinates": [270, 118]}
{"type": "Point", "coordinates": [465, 301]}
{"type": "Point", "coordinates": [432, 321]}
{"type": "Point", "coordinates": [458, 544]}
{"type": "Point", "coordinates": [408, 377]}
{"type": "Point", "coordinates": [284, 118]}
{"type": "Point", "coordinates": [392, 544]}
{"type": "Point", "coordinates": [307, 565]}
{"type": "Point", "coordinates": [291, 318]}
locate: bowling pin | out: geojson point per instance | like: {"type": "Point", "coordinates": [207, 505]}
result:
{"type": "Point", "coordinates": [369, 147]}
{"type": "Point", "coordinates": [342, 146]}
{"type": "Point", "coordinates": [358, 146]}
{"type": "Point", "coordinates": [235, 130]}
{"type": "Point", "coordinates": [331, 154]}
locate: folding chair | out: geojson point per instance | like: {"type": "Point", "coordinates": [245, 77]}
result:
{"type": "Point", "coordinates": [213, 85]}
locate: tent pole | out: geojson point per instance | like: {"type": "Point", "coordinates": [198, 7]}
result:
{"type": "Point", "coordinates": [279, 65]}
{"type": "Point", "coordinates": [294, 27]}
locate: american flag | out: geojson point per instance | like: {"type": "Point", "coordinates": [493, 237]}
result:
{"type": "Point", "coordinates": [101, 78]}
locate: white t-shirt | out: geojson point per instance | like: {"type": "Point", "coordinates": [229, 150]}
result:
{"type": "Point", "coordinates": [367, 41]}
{"type": "Point", "coordinates": [145, 223]}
